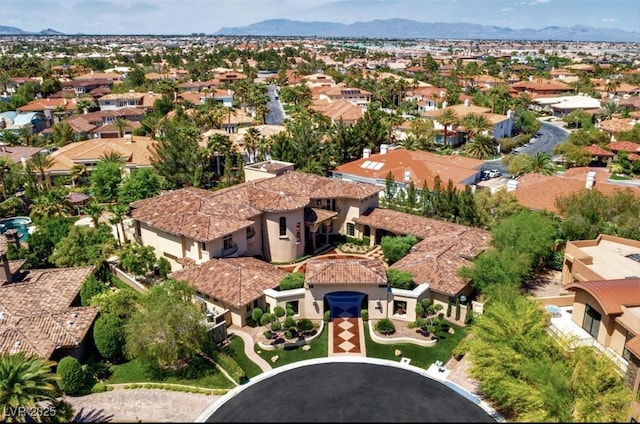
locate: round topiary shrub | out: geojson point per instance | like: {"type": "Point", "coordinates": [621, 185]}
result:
{"type": "Point", "coordinates": [108, 335]}
{"type": "Point", "coordinates": [305, 326]}
{"type": "Point", "coordinates": [289, 323]}
{"type": "Point", "coordinates": [71, 375]}
{"type": "Point", "coordinates": [364, 314]}
{"type": "Point", "coordinates": [385, 326]}
{"type": "Point", "coordinates": [276, 326]}
{"type": "Point", "coordinates": [288, 334]}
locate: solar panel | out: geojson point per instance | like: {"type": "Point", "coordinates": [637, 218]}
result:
{"type": "Point", "coordinates": [378, 166]}
{"type": "Point", "coordinates": [365, 164]}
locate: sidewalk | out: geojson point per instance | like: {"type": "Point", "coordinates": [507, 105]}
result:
{"type": "Point", "coordinates": [248, 348]}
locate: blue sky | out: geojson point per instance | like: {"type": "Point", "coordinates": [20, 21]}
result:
{"type": "Point", "coordinates": [187, 16]}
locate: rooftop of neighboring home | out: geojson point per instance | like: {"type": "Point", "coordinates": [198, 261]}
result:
{"type": "Point", "coordinates": [339, 110]}
{"type": "Point", "coordinates": [38, 314]}
{"type": "Point", "coordinates": [235, 281]}
{"type": "Point", "coordinates": [206, 215]}
{"type": "Point", "coordinates": [617, 125]}
{"type": "Point", "coordinates": [340, 271]}
{"type": "Point", "coordinates": [135, 150]}
{"type": "Point", "coordinates": [608, 257]}
{"type": "Point", "coordinates": [569, 102]}
{"type": "Point", "coordinates": [542, 86]}
{"type": "Point", "coordinates": [417, 166]}
{"type": "Point", "coordinates": [538, 191]}
{"type": "Point", "coordinates": [48, 103]}
{"type": "Point", "coordinates": [624, 146]}
{"type": "Point", "coordinates": [16, 153]}
{"type": "Point", "coordinates": [436, 259]}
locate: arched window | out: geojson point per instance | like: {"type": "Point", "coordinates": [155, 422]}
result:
{"type": "Point", "coordinates": [283, 226]}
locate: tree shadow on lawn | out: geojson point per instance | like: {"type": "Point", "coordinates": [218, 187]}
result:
{"type": "Point", "coordinates": [91, 416]}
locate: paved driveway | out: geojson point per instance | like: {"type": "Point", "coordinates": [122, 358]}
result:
{"type": "Point", "coordinates": [140, 405]}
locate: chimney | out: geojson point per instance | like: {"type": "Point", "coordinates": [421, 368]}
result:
{"type": "Point", "coordinates": [531, 78]}
{"type": "Point", "coordinates": [407, 175]}
{"type": "Point", "coordinates": [366, 152]}
{"type": "Point", "coordinates": [591, 179]}
{"type": "Point", "coordinates": [92, 72]}
{"type": "Point", "coordinates": [466, 102]}
{"type": "Point", "coordinates": [384, 148]}
{"type": "Point", "coordinates": [512, 185]}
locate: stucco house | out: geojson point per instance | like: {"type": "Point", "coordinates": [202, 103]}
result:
{"type": "Point", "coordinates": [280, 218]}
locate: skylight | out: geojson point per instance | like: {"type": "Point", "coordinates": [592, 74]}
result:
{"type": "Point", "coordinates": [634, 256]}
{"type": "Point", "coordinates": [365, 164]}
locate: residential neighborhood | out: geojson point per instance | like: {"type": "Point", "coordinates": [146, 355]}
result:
{"type": "Point", "coordinates": [183, 214]}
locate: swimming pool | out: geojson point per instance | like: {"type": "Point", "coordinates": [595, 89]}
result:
{"type": "Point", "coordinates": [19, 223]}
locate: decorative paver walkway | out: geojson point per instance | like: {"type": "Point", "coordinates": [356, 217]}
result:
{"type": "Point", "coordinates": [346, 337]}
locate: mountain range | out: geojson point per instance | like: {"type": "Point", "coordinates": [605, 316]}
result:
{"type": "Point", "coordinates": [407, 29]}
{"type": "Point", "coordinates": [8, 30]}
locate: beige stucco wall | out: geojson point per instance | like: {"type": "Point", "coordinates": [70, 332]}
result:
{"type": "Point", "coordinates": [605, 330]}
{"type": "Point", "coordinates": [618, 338]}
{"type": "Point", "coordinates": [163, 244]}
{"type": "Point", "coordinates": [283, 249]}
{"type": "Point", "coordinates": [215, 247]}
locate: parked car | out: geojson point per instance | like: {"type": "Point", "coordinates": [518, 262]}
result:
{"type": "Point", "coordinates": [494, 173]}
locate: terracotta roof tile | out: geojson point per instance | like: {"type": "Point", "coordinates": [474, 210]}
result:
{"type": "Point", "coordinates": [625, 146]}
{"type": "Point", "coordinates": [616, 125]}
{"type": "Point", "coordinates": [595, 150]}
{"type": "Point", "coordinates": [436, 259]}
{"type": "Point", "coordinates": [341, 271]}
{"type": "Point", "coordinates": [312, 215]}
{"type": "Point", "coordinates": [235, 281]}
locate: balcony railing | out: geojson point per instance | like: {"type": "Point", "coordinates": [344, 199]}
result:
{"type": "Point", "coordinates": [231, 251]}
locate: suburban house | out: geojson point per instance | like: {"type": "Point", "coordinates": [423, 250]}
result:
{"type": "Point", "coordinates": [540, 192]}
{"type": "Point", "coordinates": [428, 98]}
{"type": "Point", "coordinates": [18, 154]}
{"type": "Point", "coordinates": [280, 218]}
{"type": "Point", "coordinates": [199, 98]}
{"type": "Point", "coordinates": [115, 101]}
{"type": "Point", "coordinates": [135, 151]}
{"type": "Point", "coordinates": [34, 122]}
{"type": "Point", "coordinates": [604, 276]}
{"type": "Point", "coordinates": [617, 125]}
{"type": "Point", "coordinates": [457, 135]}
{"type": "Point", "coordinates": [40, 312]}
{"type": "Point", "coordinates": [541, 88]}
{"type": "Point", "coordinates": [564, 105]}
{"type": "Point", "coordinates": [354, 95]}
{"type": "Point", "coordinates": [339, 110]}
{"type": "Point", "coordinates": [100, 124]}
{"type": "Point", "coordinates": [408, 166]}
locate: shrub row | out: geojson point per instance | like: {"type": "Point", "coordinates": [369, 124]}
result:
{"type": "Point", "coordinates": [170, 387]}
{"type": "Point", "coordinates": [229, 364]}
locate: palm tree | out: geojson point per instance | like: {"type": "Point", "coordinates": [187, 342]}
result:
{"type": "Point", "coordinates": [62, 134]}
{"type": "Point", "coordinates": [475, 123]}
{"type": "Point", "coordinates": [411, 143]}
{"type": "Point", "coordinates": [112, 156]}
{"type": "Point", "coordinates": [447, 118]}
{"type": "Point", "coordinates": [78, 171]}
{"type": "Point", "coordinates": [26, 135]}
{"type": "Point", "coordinates": [6, 166]}
{"type": "Point", "coordinates": [121, 124]}
{"type": "Point", "coordinates": [540, 163]}
{"type": "Point", "coordinates": [53, 203]}
{"type": "Point", "coordinates": [251, 142]}
{"type": "Point", "coordinates": [41, 163]}
{"type": "Point", "coordinates": [10, 138]}
{"type": "Point", "coordinates": [25, 381]}
{"type": "Point", "coordinates": [94, 210]}
{"type": "Point", "coordinates": [608, 110]}
{"type": "Point", "coordinates": [480, 146]}
{"type": "Point", "coordinates": [120, 211]}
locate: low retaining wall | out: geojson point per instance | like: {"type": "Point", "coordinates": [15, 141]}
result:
{"type": "Point", "coordinates": [126, 278]}
{"type": "Point", "coordinates": [293, 344]}
{"type": "Point", "coordinates": [386, 341]}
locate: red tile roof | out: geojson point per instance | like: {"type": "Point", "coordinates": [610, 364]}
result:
{"type": "Point", "coordinates": [235, 281]}
{"type": "Point", "coordinates": [595, 150]}
{"type": "Point", "coordinates": [422, 166]}
{"type": "Point", "coordinates": [206, 215]}
{"type": "Point", "coordinates": [625, 146]}
{"type": "Point", "coordinates": [345, 271]}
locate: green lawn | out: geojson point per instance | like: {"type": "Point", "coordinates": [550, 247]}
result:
{"type": "Point", "coordinates": [136, 372]}
{"type": "Point", "coordinates": [121, 284]}
{"type": "Point", "coordinates": [421, 356]}
{"type": "Point", "coordinates": [235, 349]}
{"type": "Point", "coordinates": [319, 349]}
{"type": "Point", "coordinates": [620, 177]}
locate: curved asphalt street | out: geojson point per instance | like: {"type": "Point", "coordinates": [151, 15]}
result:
{"type": "Point", "coordinates": [550, 135]}
{"type": "Point", "coordinates": [276, 112]}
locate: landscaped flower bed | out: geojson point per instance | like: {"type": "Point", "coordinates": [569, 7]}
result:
{"type": "Point", "coordinates": [353, 248]}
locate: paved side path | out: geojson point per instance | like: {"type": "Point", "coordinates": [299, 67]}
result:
{"type": "Point", "coordinates": [140, 405]}
{"type": "Point", "coordinates": [248, 348]}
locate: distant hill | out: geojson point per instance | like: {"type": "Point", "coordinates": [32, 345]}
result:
{"type": "Point", "coordinates": [9, 30]}
{"type": "Point", "coordinates": [404, 28]}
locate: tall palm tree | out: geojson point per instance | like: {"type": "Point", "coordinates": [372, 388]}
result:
{"type": "Point", "coordinates": [94, 210]}
{"type": "Point", "coordinates": [10, 138]}
{"type": "Point", "coordinates": [25, 381]}
{"type": "Point", "coordinates": [62, 134]}
{"type": "Point", "coordinates": [251, 142]}
{"type": "Point", "coordinates": [41, 163]}
{"type": "Point", "coordinates": [540, 163]}
{"type": "Point", "coordinates": [480, 146]}
{"type": "Point", "coordinates": [411, 143]}
{"type": "Point", "coordinates": [120, 211]}
{"type": "Point", "coordinates": [475, 123]}
{"type": "Point", "coordinates": [121, 124]}
{"type": "Point", "coordinates": [447, 118]}
{"type": "Point", "coordinates": [78, 171]}
{"type": "Point", "coordinates": [26, 136]}
{"type": "Point", "coordinates": [6, 167]}
{"type": "Point", "coordinates": [112, 156]}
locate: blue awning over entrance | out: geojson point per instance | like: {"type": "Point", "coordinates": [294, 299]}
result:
{"type": "Point", "coordinates": [344, 304]}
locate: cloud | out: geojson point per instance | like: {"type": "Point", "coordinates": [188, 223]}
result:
{"type": "Point", "coordinates": [536, 2]}
{"type": "Point", "coordinates": [608, 20]}
{"type": "Point", "coordinates": [506, 9]}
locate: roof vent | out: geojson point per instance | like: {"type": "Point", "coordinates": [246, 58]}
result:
{"type": "Point", "coordinates": [69, 323]}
